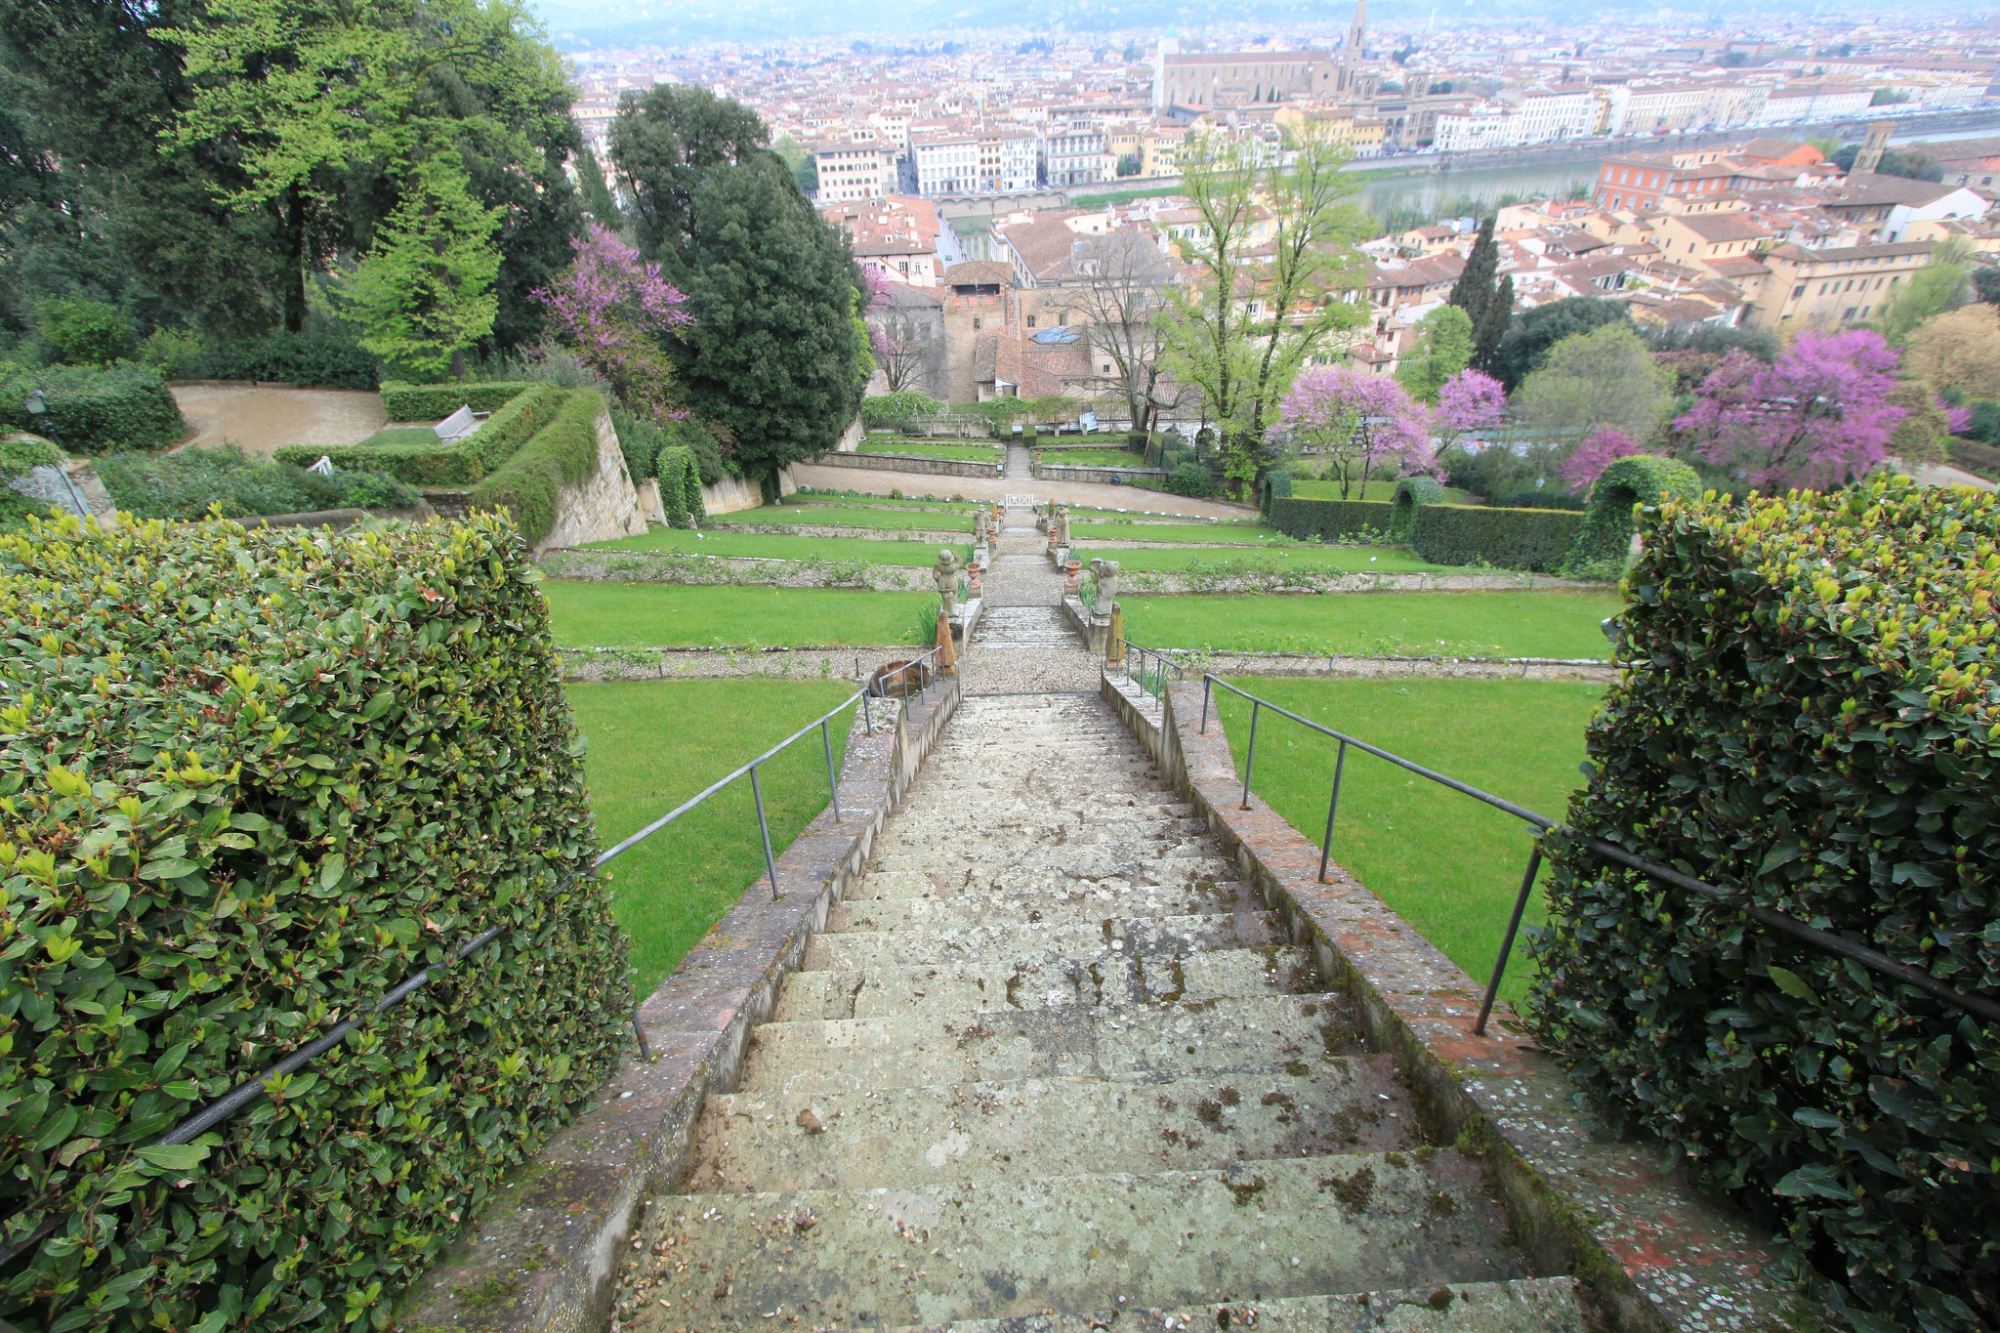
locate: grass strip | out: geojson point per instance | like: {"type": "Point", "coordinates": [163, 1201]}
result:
{"type": "Point", "coordinates": [963, 453]}
{"type": "Point", "coordinates": [1221, 561]}
{"type": "Point", "coordinates": [782, 546]}
{"type": "Point", "coordinates": [1448, 864]}
{"type": "Point", "coordinates": [874, 520]}
{"type": "Point", "coordinates": [676, 615]}
{"type": "Point", "coordinates": [1448, 624]}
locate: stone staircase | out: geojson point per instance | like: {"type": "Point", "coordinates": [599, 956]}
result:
{"type": "Point", "coordinates": [1055, 1069]}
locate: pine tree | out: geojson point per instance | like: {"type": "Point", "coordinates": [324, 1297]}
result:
{"type": "Point", "coordinates": [424, 293]}
{"type": "Point", "coordinates": [1475, 289]}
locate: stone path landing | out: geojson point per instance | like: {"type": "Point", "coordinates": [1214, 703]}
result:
{"type": "Point", "coordinates": [1054, 1068]}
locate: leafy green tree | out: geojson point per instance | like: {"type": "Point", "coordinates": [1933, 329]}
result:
{"type": "Point", "coordinates": [425, 292]}
{"type": "Point", "coordinates": [1243, 329]}
{"type": "Point", "coordinates": [1943, 284]}
{"type": "Point", "coordinates": [804, 165]}
{"type": "Point", "coordinates": [773, 355]}
{"type": "Point", "coordinates": [1924, 433]}
{"type": "Point", "coordinates": [665, 143]}
{"type": "Point", "coordinates": [84, 332]}
{"type": "Point", "coordinates": [1531, 334]}
{"type": "Point", "coordinates": [1606, 378]}
{"type": "Point", "coordinates": [1444, 347]}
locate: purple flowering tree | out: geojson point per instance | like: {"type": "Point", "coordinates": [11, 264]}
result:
{"type": "Point", "coordinates": [613, 309]}
{"type": "Point", "coordinates": [1364, 425]}
{"type": "Point", "coordinates": [1818, 416]}
{"type": "Point", "coordinates": [1581, 469]}
{"type": "Point", "coordinates": [1469, 401]}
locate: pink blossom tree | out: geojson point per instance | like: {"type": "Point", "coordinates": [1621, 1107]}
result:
{"type": "Point", "coordinates": [1581, 469]}
{"type": "Point", "coordinates": [1469, 401]}
{"type": "Point", "coordinates": [1364, 424]}
{"type": "Point", "coordinates": [1818, 416]}
{"type": "Point", "coordinates": [613, 310]}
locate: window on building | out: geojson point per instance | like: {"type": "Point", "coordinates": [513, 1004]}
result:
{"type": "Point", "coordinates": [975, 323]}
{"type": "Point", "coordinates": [1031, 321]}
{"type": "Point", "coordinates": [1797, 292]}
{"type": "Point", "coordinates": [1848, 313]}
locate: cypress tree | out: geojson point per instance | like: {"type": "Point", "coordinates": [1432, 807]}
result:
{"type": "Point", "coordinates": [1493, 327]}
{"type": "Point", "coordinates": [1475, 289]}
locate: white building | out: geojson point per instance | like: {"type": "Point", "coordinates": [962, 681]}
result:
{"type": "Point", "coordinates": [1073, 154]}
{"type": "Point", "coordinates": [944, 163]}
{"type": "Point", "coordinates": [850, 171]}
{"type": "Point", "coordinates": [1482, 125]}
{"type": "Point", "coordinates": [1536, 115]}
{"type": "Point", "coordinates": [1798, 102]}
{"type": "Point", "coordinates": [1009, 159]}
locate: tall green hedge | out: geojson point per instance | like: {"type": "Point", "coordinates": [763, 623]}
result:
{"type": "Point", "coordinates": [1530, 539]}
{"type": "Point", "coordinates": [1605, 538]}
{"type": "Point", "coordinates": [93, 409]}
{"type": "Point", "coordinates": [564, 452]}
{"type": "Point", "coordinates": [435, 402]}
{"type": "Point", "coordinates": [253, 780]}
{"type": "Point", "coordinates": [431, 464]}
{"type": "Point", "coordinates": [1330, 520]}
{"type": "Point", "coordinates": [1272, 486]}
{"type": "Point", "coordinates": [680, 487]}
{"type": "Point", "coordinates": [1412, 494]}
{"type": "Point", "coordinates": [1808, 717]}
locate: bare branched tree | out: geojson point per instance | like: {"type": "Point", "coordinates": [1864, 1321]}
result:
{"type": "Point", "coordinates": [1118, 291]}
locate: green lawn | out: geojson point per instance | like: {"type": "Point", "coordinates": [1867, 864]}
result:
{"type": "Point", "coordinates": [880, 520]}
{"type": "Point", "coordinates": [1451, 624]}
{"type": "Point", "coordinates": [1347, 559]}
{"type": "Point", "coordinates": [1237, 534]}
{"type": "Point", "coordinates": [864, 500]}
{"type": "Point", "coordinates": [1081, 457]}
{"type": "Point", "coordinates": [653, 744]}
{"type": "Point", "coordinates": [1448, 864]}
{"type": "Point", "coordinates": [1378, 488]}
{"type": "Point", "coordinates": [401, 435]}
{"type": "Point", "coordinates": [675, 615]}
{"type": "Point", "coordinates": [901, 444]}
{"type": "Point", "coordinates": [784, 546]}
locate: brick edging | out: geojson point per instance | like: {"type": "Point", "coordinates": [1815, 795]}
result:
{"type": "Point", "coordinates": [543, 1257]}
{"type": "Point", "coordinates": [1651, 1251]}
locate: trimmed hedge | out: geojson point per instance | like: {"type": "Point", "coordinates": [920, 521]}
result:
{"type": "Point", "coordinates": [476, 456]}
{"type": "Point", "coordinates": [94, 409]}
{"type": "Point", "coordinates": [680, 487]}
{"type": "Point", "coordinates": [1273, 485]}
{"type": "Point", "coordinates": [308, 360]}
{"type": "Point", "coordinates": [1330, 520]}
{"type": "Point", "coordinates": [184, 484]}
{"type": "Point", "coordinates": [1411, 494]}
{"type": "Point", "coordinates": [435, 402]}
{"type": "Point", "coordinates": [1636, 479]}
{"type": "Point", "coordinates": [254, 780]}
{"type": "Point", "coordinates": [564, 452]}
{"type": "Point", "coordinates": [1530, 539]}
{"type": "Point", "coordinates": [1807, 716]}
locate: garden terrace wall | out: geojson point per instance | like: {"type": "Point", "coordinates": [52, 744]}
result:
{"type": "Point", "coordinates": [568, 482]}
{"type": "Point", "coordinates": [287, 770]}
{"type": "Point", "coordinates": [1151, 478]}
{"type": "Point", "coordinates": [1807, 717]}
{"type": "Point", "coordinates": [1330, 520]}
{"type": "Point", "coordinates": [434, 464]}
{"type": "Point", "coordinates": [941, 467]}
{"type": "Point", "coordinates": [1537, 540]}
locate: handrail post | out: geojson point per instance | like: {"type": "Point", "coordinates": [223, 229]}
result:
{"type": "Point", "coordinates": [1507, 943]}
{"type": "Point", "coordinates": [1207, 684]}
{"type": "Point", "coordinates": [867, 713]}
{"type": "Point", "coordinates": [832, 780]}
{"type": "Point", "coordinates": [1333, 804]}
{"type": "Point", "coordinates": [1250, 759]}
{"type": "Point", "coordinates": [764, 827]}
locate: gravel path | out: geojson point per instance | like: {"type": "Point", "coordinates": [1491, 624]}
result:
{"type": "Point", "coordinates": [259, 420]}
{"type": "Point", "coordinates": [1018, 481]}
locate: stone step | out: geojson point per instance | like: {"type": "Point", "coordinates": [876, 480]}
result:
{"type": "Point", "coordinates": [1141, 1043]}
{"type": "Point", "coordinates": [1057, 900]}
{"type": "Point", "coordinates": [750, 1141]}
{"type": "Point", "coordinates": [973, 988]}
{"type": "Point", "coordinates": [1085, 862]}
{"type": "Point", "coordinates": [1528, 1305]}
{"type": "Point", "coordinates": [1079, 941]}
{"type": "Point", "coordinates": [934, 1254]}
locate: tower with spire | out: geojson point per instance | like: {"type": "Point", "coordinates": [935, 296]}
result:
{"type": "Point", "coordinates": [1350, 56]}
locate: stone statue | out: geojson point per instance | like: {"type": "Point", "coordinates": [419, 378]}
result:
{"type": "Point", "coordinates": [1106, 573]}
{"type": "Point", "coordinates": [1062, 526]}
{"type": "Point", "coordinates": [944, 577]}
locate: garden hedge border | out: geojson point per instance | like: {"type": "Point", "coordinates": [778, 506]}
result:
{"type": "Point", "coordinates": [94, 409]}
{"type": "Point", "coordinates": [434, 402]}
{"type": "Point", "coordinates": [1807, 715]}
{"type": "Point", "coordinates": [1412, 494]}
{"type": "Point", "coordinates": [1537, 540]}
{"type": "Point", "coordinates": [1636, 479]}
{"type": "Point", "coordinates": [470, 460]}
{"type": "Point", "coordinates": [1330, 520]}
{"type": "Point", "coordinates": [529, 484]}
{"type": "Point", "coordinates": [257, 779]}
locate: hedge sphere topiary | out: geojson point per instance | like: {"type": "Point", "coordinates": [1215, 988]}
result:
{"type": "Point", "coordinates": [1636, 479]}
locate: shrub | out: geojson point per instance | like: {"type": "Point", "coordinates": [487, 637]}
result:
{"type": "Point", "coordinates": [316, 358]}
{"type": "Point", "coordinates": [254, 780]}
{"type": "Point", "coordinates": [1190, 479]}
{"type": "Point", "coordinates": [1273, 485]}
{"type": "Point", "coordinates": [529, 484]}
{"type": "Point", "coordinates": [435, 402]}
{"type": "Point", "coordinates": [1806, 717]}
{"type": "Point", "coordinates": [680, 487]}
{"type": "Point", "coordinates": [433, 464]}
{"type": "Point", "coordinates": [1541, 497]}
{"type": "Point", "coordinates": [1531, 539]}
{"type": "Point", "coordinates": [84, 332]}
{"type": "Point", "coordinates": [1330, 520]}
{"type": "Point", "coordinates": [898, 409]}
{"type": "Point", "coordinates": [17, 458]}
{"type": "Point", "coordinates": [94, 409]}
{"type": "Point", "coordinates": [185, 484]}
{"type": "Point", "coordinates": [1636, 479]}
{"type": "Point", "coordinates": [175, 353]}
{"type": "Point", "coordinates": [1411, 494]}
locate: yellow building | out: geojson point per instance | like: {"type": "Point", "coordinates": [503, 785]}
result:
{"type": "Point", "coordinates": [1837, 285]}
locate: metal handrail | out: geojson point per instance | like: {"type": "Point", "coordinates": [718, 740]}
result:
{"type": "Point", "coordinates": [1166, 661]}
{"type": "Point", "coordinates": [229, 1104]}
{"type": "Point", "coordinates": [1873, 959]}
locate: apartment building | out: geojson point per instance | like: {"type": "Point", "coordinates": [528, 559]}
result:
{"type": "Point", "coordinates": [944, 162]}
{"type": "Point", "coordinates": [1009, 159]}
{"type": "Point", "coordinates": [1837, 285]}
{"type": "Point", "coordinates": [854, 171]}
{"type": "Point", "coordinates": [903, 239]}
{"type": "Point", "coordinates": [1796, 102]}
{"type": "Point", "coordinates": [1073, 154]}
{"type": "Point", "coordinates": [1629, 182]}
